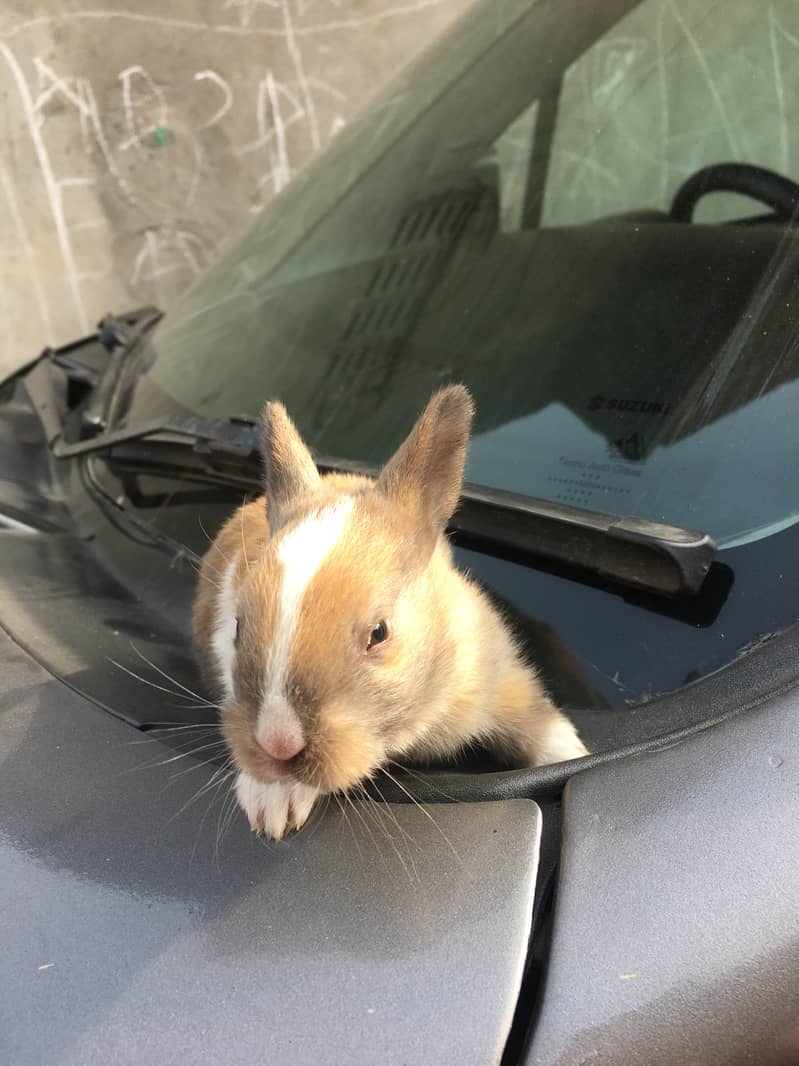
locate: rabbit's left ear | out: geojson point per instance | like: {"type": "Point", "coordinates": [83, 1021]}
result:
{"type": "Point", "coordinates": [425, 474]}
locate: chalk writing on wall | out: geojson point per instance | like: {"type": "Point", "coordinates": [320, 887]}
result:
{"type": "Point", "coordinates": [138, 143]}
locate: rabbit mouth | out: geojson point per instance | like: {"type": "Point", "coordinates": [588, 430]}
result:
{"type": "Point", "coordinates": [275, 769]}
{"type": "Point", "coordinates": [267, 769]}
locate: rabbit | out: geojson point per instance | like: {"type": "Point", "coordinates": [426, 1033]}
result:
{"type": "Point", "coordinates": [338, 633]}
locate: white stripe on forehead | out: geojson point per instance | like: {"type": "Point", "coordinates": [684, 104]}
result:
{"type": "Point", "coordinates": [301, 552]}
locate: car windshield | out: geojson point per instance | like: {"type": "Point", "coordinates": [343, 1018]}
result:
{"type": "Point", "coordinates": [585, 212]}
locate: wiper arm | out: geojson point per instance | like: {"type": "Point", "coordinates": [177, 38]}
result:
{"type": "Point", "coordinates": [651, 556]}
{"type": "Point", "coordinates": [234, 435]}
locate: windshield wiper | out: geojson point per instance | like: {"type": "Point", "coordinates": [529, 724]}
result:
{"type": "Point", "coordinates": [651, 556]}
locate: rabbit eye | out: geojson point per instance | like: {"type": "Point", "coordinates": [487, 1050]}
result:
{"type": "Point", "coordinates": [238, 629]}
{"type": "Point", "coordinates": [378, 635]}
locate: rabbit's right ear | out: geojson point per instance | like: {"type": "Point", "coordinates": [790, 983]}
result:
{"type": "Point", "coordinates": [289, 470]}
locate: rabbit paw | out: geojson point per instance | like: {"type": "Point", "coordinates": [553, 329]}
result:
{"type": "Point", "coordinates": [275, 808]}
{"type": "Point", "coordinates": [560, 743]}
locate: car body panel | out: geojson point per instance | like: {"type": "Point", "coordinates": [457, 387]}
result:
{"type": "Point", "coordinates": [676, 935]}
{"type": "Point", "coordinates": [389, 935]}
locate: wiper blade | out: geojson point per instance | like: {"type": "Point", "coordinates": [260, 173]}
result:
{"type": "Point", "coordinates": [650, 556]}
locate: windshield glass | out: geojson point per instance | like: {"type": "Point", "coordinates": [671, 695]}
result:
{"type": "Point", "coordinates": [529, 210]}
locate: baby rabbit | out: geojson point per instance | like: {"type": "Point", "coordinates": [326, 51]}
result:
{"type": "Point", "coordinates": [338, 634]}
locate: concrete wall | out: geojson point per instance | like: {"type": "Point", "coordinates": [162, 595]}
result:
{"type": "Point", "coordinates": [138, 137]}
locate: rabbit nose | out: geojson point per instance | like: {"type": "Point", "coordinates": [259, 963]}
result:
{"type": "Point", "coordinates": [280, 744]}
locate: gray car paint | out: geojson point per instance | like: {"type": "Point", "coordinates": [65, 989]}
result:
{"type": "Point", "coordinates": [392, 936]}
{"type": "Point", "coordinates": [676, 936]}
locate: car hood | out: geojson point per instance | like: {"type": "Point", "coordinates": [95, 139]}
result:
{"type": "Point", "coordinates": [143, 933]}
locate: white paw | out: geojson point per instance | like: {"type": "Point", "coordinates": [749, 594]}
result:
{"type": "Point", "coordinates": [561, 743]}
{"type": "Point", "coordinates": [277, 807]}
